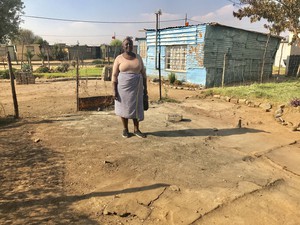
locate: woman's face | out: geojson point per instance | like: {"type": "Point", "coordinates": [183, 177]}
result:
{"type": "Point", "coordinates": [128, 46]}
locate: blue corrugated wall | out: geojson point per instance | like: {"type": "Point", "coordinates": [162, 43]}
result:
{"type": "Point", "coordinates": [193, 38]}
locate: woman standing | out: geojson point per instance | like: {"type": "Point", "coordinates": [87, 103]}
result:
{"type": "Point", "coordinates": [129, 83]}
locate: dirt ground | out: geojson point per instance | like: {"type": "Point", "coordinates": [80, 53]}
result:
{"type": "Point", "coordinates": [59, 166]}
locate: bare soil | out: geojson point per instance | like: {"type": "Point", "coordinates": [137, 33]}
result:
{"type": "Point", "coordinates": [60, 166]}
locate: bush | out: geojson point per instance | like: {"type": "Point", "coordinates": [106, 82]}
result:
{"type": "Point", "coordinates": [178, 82]}
{"type": "Point", "coordinates": [64, 67]}
{"type": "Point", "coordinates": [4, 74]}
{"type": "Point", "coordinates": [97, 61]}
{"type": "Point", "coordinates": [73, 63]}
{"type": "Point", "coordinates": [25, 67]}
{"type": "Point", "coordinates": [42, 69]}
{"type": "Point", "coordinates": [172, 78]}
{"type": "Point", "coordinates": [295, 102]}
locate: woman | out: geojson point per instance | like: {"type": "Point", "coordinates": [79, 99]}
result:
{"type": "Point", "coordinates": [129, 83]}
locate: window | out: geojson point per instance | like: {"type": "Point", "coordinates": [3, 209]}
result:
{"type": "Point", "coordinates": [176, 57]}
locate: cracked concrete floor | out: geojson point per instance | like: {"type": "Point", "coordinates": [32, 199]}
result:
{"type": "Point", "coordinates": [62, 168]}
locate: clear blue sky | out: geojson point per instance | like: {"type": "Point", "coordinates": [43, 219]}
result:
{"type": "Point", "coordinates": [112, 12]}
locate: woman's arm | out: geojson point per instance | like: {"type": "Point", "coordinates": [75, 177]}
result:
{"type": "Point", "coordinates": [114, 78]}
{"type": "Point", "coordinates": [143, 72]}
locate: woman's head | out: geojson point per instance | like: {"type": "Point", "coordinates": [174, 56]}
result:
{"type": "Point", "coordinates": [127, 44]}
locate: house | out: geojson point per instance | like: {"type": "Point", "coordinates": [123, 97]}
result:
{"type": "Point", "coordinates": [83, 51]}
{"type": "Point", "coordinates": [288, 56]}
{"type": "Point", "coordinates": [34, 49]}
{"type": "Point", "coordinates": [3, 52]}
{"type": "Point", "coordinates": [210, 54]}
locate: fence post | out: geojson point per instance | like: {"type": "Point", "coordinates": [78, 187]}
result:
{"type": "Point", "coordinates": [281, 53]}
{"type": "Point", "coordinates": [224, 68]}
{"type": "Point", "coordinates": [264, 59]}
{"type": "Point", "coordinates": [77, 83]}
{"type": "Point", "coordinates": [12, 84]}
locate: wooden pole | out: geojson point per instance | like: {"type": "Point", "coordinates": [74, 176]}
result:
{"type": "Point", "coordinates": [281, 53]}
{"type": "Point", "coordinates": [12, 83]}
{"type": "Point", "coordinates": [77, 83]}
{"type": "Point", "coordinates": [224, 69]}
{"type": "Point", "coordinates": [264, 59]}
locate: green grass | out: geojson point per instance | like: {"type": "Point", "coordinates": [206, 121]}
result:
{"type": "Point", "coordinates": [276, 69]}
{"type": "Point", "coordinates": [276, 92]}
{"type": "Point", "coordinates": [83, 72]}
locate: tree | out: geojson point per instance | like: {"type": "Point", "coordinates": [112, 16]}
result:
{"type": "Point", "coordinates": [25, 37]}
{"type": "Point", "coordinates": [281, 14]}
{"type": "Point", "coordinates": [29, 55]}
{"type": "Point", "coordinates": [10, 18]}
{"type": "Point", "coordinates": [58, 52]}
{"type": "Point", "coordinates": [44, 50]}
{"type": "Point", "coordinates": [116, 42]}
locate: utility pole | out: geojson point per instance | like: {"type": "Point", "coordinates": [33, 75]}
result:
{"type": "Point", "coordinates": [157, 52]}
{"type": "Point", "coordinates": [186, 23]}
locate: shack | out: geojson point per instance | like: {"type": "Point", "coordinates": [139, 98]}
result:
{"type": "Point", "coordinates": [210, 54]}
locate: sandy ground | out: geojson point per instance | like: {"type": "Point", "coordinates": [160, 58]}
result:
{"type": "Point", "coordinates": [59, 166]}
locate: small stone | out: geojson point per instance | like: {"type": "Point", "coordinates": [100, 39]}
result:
{"type": "Point", "coordinates": [256, 104]}
{"type": "Point", "coordinates": [239, 125]}
{"type": "Point", "coordinates": [174, 117]}
{"type": "Point", "coordinates": [105, 212]}
{"type": "Point", "coordinates": [242, 101]}
{"type": "Point", "coordinates": [294, 128]}
{"type": "Point", "coordinates": [281, 106]}
{"type": "Point", "coordinates": [174, 188]}
{"type": "Point", "coordinates": [37, 140]}
{"type": "Point", "coordinates": [278, 113]}
{"type": "Point", "coordinates": [266, 106]}
{"type": "Point", "coordinates": [234, 100]}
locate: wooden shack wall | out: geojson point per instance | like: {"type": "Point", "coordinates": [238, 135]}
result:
{"type": "Point", "coordinates": [244, 55]}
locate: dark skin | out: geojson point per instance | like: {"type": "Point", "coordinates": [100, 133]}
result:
{"type": "Point", "coordinates": [127, 46]}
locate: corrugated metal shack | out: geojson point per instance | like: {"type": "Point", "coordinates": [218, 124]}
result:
{"type": "Point", "coordinates": [199, 54]}
{"type": "Point", "coordinates": [83, 52]}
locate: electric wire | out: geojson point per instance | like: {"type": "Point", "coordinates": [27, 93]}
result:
{"type": "Point", "coordinates": [94, 21]}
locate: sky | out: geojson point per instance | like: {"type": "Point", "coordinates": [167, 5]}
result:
{"type": "Point", "coordinates": [94, 22]}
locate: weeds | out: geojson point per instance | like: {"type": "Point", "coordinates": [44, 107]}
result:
{"type": "Point", "coordinates": [295, 102]}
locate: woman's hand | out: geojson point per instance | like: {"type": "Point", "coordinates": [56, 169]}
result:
{"type": "Point", "coordinates": [145, 92]}
{"type": "Point", "coordinates": [115, 95]}
{"type": "Point", "coordinates": [115, 91]}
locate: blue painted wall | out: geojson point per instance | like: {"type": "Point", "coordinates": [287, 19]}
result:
{"type": "Point", "coordinates": [193, 38]}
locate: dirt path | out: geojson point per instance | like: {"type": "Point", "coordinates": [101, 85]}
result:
{"type": "Point", "coordinates": [65, 167]}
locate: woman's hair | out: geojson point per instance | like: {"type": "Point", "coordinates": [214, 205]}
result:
{"type": "Point", "coordinates": [128, 39]}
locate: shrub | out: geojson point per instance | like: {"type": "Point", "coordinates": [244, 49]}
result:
{"type": "Point", "coordinates": [295, 102]}
{"type": "Point", "coordinates": [73, 63]}
{"type": "Point", "coordinates": [64, 67]}
{"type": "Point", "coordinates": [97, 61]}
{"type": "Point", "coordinates": [42, 69]}
{"type": "Point", "coordinates": [178, 82]}
{"type": "Point", "coordinates": [172, 78]}
{"type": "Point", "coordinates": [26, 67]}
{"type": "Point", "coordinates": [4, 74]}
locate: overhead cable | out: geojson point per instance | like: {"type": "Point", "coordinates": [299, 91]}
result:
{"type": "Point", "coordinates": [93, 21]}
